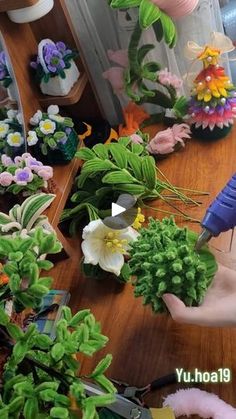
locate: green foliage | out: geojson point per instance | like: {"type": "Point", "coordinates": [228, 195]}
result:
{"type": "Point", "coordinates": [41, 376]}
{"type": "Point", "coordinates": [163, 260]}
{"type": "Point", "coordinates": [22, 257]}
{"type": "Point", "coordinates": [26, 216]}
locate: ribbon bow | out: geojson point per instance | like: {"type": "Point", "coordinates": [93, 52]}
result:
{"type": "Point", "coordinates": [218, 41]}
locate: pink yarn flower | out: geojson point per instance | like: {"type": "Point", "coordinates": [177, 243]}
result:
{"type": "Point", "coordinates": [6, 160]}
{"type": "Point", "coordinates": [115, 75]}
{"type": "Point", "coordinates": [137, 139]}
{"type": "Point", "coordinates": [45, 172]}
{"type": "Point", "coordinates": [177, 8]}
{"type": "Point", "coordinates": [23, 176]}
{"type": "Point", "coordinates": [119, 57]}
{"type": "Point", "coordinates": [168, 79]}
{"type": "Point", "coordinates": [164, 141]}
{"type": "Point", "coordinates": [197, 402]}
{"type": "Point", "coordinates": [6, 179]}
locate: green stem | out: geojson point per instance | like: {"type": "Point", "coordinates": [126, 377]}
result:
{"type": "Point", "coordinates": [133, 49]}
{"type": "Point", "coordinates": [194, 220]}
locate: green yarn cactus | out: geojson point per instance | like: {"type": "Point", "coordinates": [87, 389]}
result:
{"type": "Point", "coordinates": [163, 259]}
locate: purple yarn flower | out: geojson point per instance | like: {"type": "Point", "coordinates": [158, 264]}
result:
{"type": "Point", "coordinates": [23, 176]}
{"type": "Point", "coordinates": [45, 172]}
{"type": "Point", "coordinates": [6, 179]}
{"type": "Point", "coordinates": [62, 48]}
{"type": "Point", "coordinates": [68, 130]}
{"type": "Point", "coordinates": [33, 164]}
{"type": "Point", "coordinates": [54, 60]}
{"type": "Point", "coordinates": [63, 140]}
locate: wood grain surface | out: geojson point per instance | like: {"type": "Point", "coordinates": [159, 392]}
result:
{"type": "Point", "coordinates": [6, 5]}
{"type": "Point", "coordinates": [146, 346]}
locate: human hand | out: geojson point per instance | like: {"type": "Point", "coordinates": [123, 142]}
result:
{"type": "Point", "coordinates": [218, 308]}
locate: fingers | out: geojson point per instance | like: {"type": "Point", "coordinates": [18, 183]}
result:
{"type": "Point", "coordinates": [202, 316]}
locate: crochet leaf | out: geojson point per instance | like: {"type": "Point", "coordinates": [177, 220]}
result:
{"type": "Point", "coordinates": [124, 4]}
{"type": "Point", "coordinates": [169, 29]}
{"type": "Point", "coordinates": [149, 13]}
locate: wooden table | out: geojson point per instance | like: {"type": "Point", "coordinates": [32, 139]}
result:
{"type": "Point", "coordinates": [146, 346]}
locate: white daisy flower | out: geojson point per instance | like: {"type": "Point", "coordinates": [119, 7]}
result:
{"type": "Point", "coordinates": [36, 118]}
{"type": "Point", "coordinates": [4, 128]}
{"type": "Point", "coordinates": [15, 139]}
{"type": "Point", "coordinates": [53, 110]}
{"type": "Point", "coordinates": [32, 138]}
{"type": "Point", "coordinates": [47, 126]}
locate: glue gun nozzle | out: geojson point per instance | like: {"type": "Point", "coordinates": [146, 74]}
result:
{"type": "Point", "coordinates": [203, 238]}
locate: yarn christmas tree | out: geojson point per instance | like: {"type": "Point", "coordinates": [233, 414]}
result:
{"type": "Point", "coordinates": [212, 107]}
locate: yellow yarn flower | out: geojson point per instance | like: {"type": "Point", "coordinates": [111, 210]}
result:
{"type": "Point", "coordinates": [138, 220]}
{"type": "Point", "coordinates": [209, 56]}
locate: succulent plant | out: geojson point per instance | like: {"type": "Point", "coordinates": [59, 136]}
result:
{"type": "Point", "coordinates": [163, 259]}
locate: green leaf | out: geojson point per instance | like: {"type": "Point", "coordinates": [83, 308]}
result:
{"type": "Point", "coordinates": [38, 290]}
{"type": "Point", "coordinates": [57, 352]}
{"type": "Point", "coordinates": [44, 149]}
{"type": "Point", "coordinates": [45, 281]}
{"type": "Point", "coordinates": [96, 165]}
{"type": "Point", "coordinates": [101, 150]}
{"type": "Point", "coordinates": [149, 13]}
{"type": "Point", "coordinates": [60, 413]}
{"type": "Point", "coordinates": [149, 172]}
{"type": "Point", "coordinates": [31, 408]}
{"type": "Point", "coordinates": [135, 162]}
{"type": "Point", "coordinates": [66, 313]}
{"type": "Point", "coordinates": [152, 67]}
{"type": "Point", "coordinates": [85, 154]}
{"type": "Point", "coordinates": [47, 385]}
{"type": "Point", "coordinates": [15, 256]}
{"type": "Point", "coordinates": [125, 272]}
{"type": "Point", "coordinates": [42, 341]}
{"type": "Point", "coordinates": [48, 395]}
{"type": "Point", "coordinates": [4, 319]}
{"type": "Point", "coordinates": [102, 366]}
{"type": "Point", "coordinates": [169, 29]}
{"type": "Point", "coordinates": [143, 51]}
{"type": "Point", "coordinates": [19, 351]}
{"type": "Point", "coordinates": [45, 265]}
{"type": "Point", "coordinates": [119, 154]}
{"type": "Point", "coordinates": [15, 405]}
{"type": "Point", "coordinates": [105, 383]}
{"type": "Point", "coordinates": [14, 331]}
{"type": "Point", "coordinates": [132, 189]}
{"type": "Point", "coordinates": [137, 148]}
{"type": "Point", "coordinates": [79, 317]}
{"type": "Point", "coordinates": [124, 4]}
{"type": "Point", "coordinates": [118, 176]}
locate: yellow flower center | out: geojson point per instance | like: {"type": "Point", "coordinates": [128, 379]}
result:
{"type": "Point", "coordinates": [138, 220]}
{"type": "Point", "coordinates": [2, 129]}
{"type": "Point", "coordinates": [47, 125]}
{"type": "Point", "coordinates": [15, 139]}
{"type": "Point", "coordinates": [115, 243]}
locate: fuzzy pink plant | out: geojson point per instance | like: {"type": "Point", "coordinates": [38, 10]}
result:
{"type": "Point", "coordinates": [137, 139]}
{"type": "Point", "coordinates": [168, 79]}
{"type": "Point", "coordinates": [115, 75]}
{"type": "Point", "coordinates": [197, 402]}
{"type": "Point", "coordinates": [165, 141]}
{"type": "Point", "coordinates": [6, 179]}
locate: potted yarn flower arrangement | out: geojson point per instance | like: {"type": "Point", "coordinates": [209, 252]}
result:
{"type": "Point", "coordinates": [55, 69]}
{"type": "Point", "coordinates": [11, 134]}
{"type": "Point", "coordinates": [53, 137]}
{"type": "Point", "coordinates": [212, 108]}
{"type": "Point", "coordinates": [5, 77]}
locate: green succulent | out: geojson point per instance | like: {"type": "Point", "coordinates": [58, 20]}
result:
{"type": "Point", "coordinates": [23, 258]}
{"type": "Point", "coordinates": [163, 260]}
{"type": "Point", "coordinates": [42, 376]}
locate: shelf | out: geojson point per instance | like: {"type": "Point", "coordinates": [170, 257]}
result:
{"type": "Point", "coordinates": [72, 98]}
{"type": "Point", "coordinates": [6, 5]}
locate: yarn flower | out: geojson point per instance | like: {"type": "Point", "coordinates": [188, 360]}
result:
{"type": "Point", "coordinates": [4, 128]}
{"type": "Point", "coordinates": [32, 138]}
{"type": "Point", "coordinates": [47, 126]}
{"type": "Point", "coordinates": [165, 141]}
{"type": "Point", "coordinates": [168, 79]}
{"type": "Point", "coordinates": [32, 163]}
{"type": "Point", "coordinates": [15, 139]}
{"type": "Point", "coordinates": [139, 220]}
{"type": "Point", "coordinates": [45, 172]}
{"type": "Point", "coordinates": [36, 118]}
{"type": "Point", "coordinates": [6, 160]}
{"type": "Point", "coordinates": [53, 58]}
{"type": "Point", "coordinates": [137, 139]}
{"type": "Point", "coordinates": [119, 57]}
{"type": "Point", "coordinates": [106, 247]}
{"type": "Point", "coordinates": [6, 179]}
{"type": "Point", "coordinates": [3, 66]}
{"type": "Point", "coordinates": [53, 110]}
{"type": "Point", "coordinates": [23, 176]}
{"type": "Point", "coordinates": [115, 75]}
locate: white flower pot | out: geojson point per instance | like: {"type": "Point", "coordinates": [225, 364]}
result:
{"type": "Point", "coordinates": [57, 86]}
{"type": "Point", "coordinates": [31, 13]}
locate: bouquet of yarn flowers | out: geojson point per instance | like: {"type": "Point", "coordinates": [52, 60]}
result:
{"type": "Point", "coordinates": [53, 137]}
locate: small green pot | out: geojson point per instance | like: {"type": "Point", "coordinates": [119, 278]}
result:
{"type": "Point", "coordinates": [63, 154]}
{"type": "Point", "coordinates": [208, 135]}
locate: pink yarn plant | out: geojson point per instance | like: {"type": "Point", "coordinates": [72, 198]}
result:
{"type": "Point", "coordinates": [176, 8]}
{"type": "Point", "coordinates": [115, 75]}
{"type": "Point", "coordinates": [165, 142]}
{"type": "Point", "coordinates": [197, 402]}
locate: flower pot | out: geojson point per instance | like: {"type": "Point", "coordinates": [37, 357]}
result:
{"type": "Point", "coordinates": [63, 154]}
{"type": "Point", "coordinates": [31, 13]}
{"type": "Point", "coordinates": [208, 135]}
{"type": "Point", "coordinates": [56, 86]}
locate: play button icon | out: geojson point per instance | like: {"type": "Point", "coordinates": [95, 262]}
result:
{"type": "Point", "coordinates": [123, 213]}
{"type": "Point", "coordinates": [116, 209]}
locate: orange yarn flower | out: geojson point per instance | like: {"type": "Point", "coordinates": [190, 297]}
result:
{"type": "Point", "coordinates": [134, 116]}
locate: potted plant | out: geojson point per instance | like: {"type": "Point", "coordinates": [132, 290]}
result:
{"type": "Point", "coordinates": [55, 69]}
{"type": "Point", "coordinates": [5, 78]}
{"type": "Point", "coordinates": [23, 176]}
{"type": "Point", "coordinates": [163, 260]}
{"type": "Point", "coordinates": [11, 134]}
{"type": "Point", "coordinates": [28, 216]}
{"type": "Point", "coordinates": [35, 11]}
{"type": "Point", "coordinates": [53, 135]}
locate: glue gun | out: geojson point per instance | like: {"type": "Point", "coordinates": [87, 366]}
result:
{"type": "Point", "coordinates": [220, 216]}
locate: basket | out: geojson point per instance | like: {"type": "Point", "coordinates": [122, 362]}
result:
{"type": "Point", "coordinates": [63, 154]}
